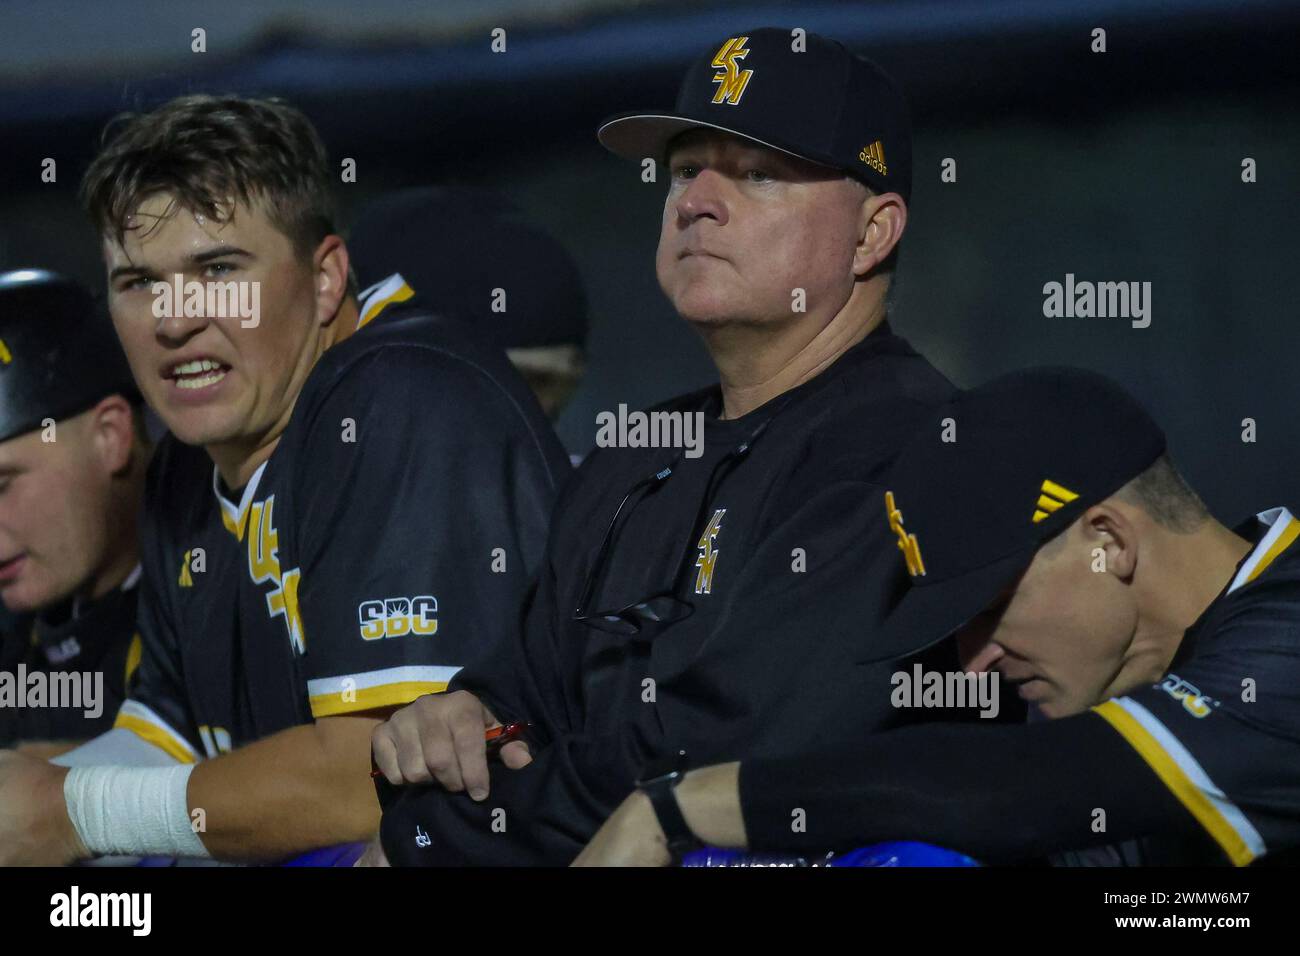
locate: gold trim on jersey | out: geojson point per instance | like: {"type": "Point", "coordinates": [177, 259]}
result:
{"type": "Point", "coordinates": [235, 517]}
{"type": "Point", "coordinates": [381, 295]}
{"type": "Point", "coordinates": [152, 729]}
{"type": "Point", "coordinates": [372, 698]}
{"type": "Point", "coordinates": [391, 687]}
{"type": "Point", "coordinates": [1282, 533]}
{"type": "Point", "coordinates": [134, 652]}
{"type": "Point", "coordinates": [1185, 777]}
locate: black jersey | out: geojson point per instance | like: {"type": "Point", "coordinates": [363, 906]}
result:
{"type": "Point", "coordinates": [95, 640]}
{"type": "Point", "coordinates": [389, 537]}
{"type": "Point", "coordinates": [1200, 767]}
{"type": "Point", "coordinates": [1222, 729]}
{"type": "Point", "coordinates": [774, 537]}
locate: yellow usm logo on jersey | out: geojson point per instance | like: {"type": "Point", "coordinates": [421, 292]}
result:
{"type": "Point", "coordinates": [732, 80]}
{"type": "Point", "coordinates": [263, 542]}
{"type": "Point", "coordinates": [907, 543]}
{"type": "Point", "coordinates": [264, 566]}
{"type": "Point", "coordinates": [874, 156]}
{"type": "Point", "coordinates": [5, 355]}
{"type": "Point", "coordinates": [396, 617]}
{"type": "Point", "coordinates": [185, 580]}
{"type": "Point", "coordinates": [284, 600]}
{"type": "Point", "coordinates": [1052, 497]}
{"type": "Point", "coordinates": [707, 559]}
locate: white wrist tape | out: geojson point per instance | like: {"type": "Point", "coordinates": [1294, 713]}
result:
{"type": "Point", "coordinates": [135, 811]}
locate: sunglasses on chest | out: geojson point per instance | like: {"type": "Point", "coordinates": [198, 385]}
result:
{"type": "Point", "coordinates": [650, 615]}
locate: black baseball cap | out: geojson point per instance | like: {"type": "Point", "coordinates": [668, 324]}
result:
{"type": "Point", "coordinates": [1029, 453]}
{"type": "Point", "coordinates": [58, 352]}
{"type": "Point", "coordinates": [816, 100]}
{"type": "Point", "coordinates": [455, 245]}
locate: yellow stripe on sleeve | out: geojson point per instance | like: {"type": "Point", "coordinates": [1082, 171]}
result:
{"type": "Point", "coordinates": [372, 698]}
{"type": "Point", "coordinates": [153, 734]}
{"type": "Point", "coordinates": [1188, 793]}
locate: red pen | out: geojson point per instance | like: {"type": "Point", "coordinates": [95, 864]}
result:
{"type": "Point", "coordinates": [495, 737]}
{"type": "Point", "coordinates": [498, 737]}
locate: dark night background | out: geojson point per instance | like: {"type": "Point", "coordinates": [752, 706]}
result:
{"type": "Point", "coordinates": [1122, 166]}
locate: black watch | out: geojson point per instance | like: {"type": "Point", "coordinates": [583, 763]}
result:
{"type": "Point", "coordinates": [658, 780]}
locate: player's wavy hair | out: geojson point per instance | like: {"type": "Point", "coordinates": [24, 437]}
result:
{"type": "Point", "coordinates": [206, 151]}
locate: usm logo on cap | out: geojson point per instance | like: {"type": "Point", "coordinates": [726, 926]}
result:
{"type": "Point", "coordinates": [874, 156]}
{"type": "Point", "coordinates": [1052, 497]}
{"type": "Point", "coordinates": [906, 542]}
{"type": "Point", "coordinates": [732, 80]}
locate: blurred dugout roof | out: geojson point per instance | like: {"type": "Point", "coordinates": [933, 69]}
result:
{"type": "Point", "coordinates": [402, 72]}
{"type": "Point", "coordinates": [1120, 166]}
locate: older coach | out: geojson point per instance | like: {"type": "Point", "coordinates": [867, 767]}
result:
{"type": "Point", "coordinates": [692, 607]}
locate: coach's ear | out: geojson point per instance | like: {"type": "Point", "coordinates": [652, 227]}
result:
{"type": "Point", "coordinates": [1111, 529]}
{"type": "Point", "coordinates": [330, 264]}
{"type": "Point", "coordinates": [881, 222]}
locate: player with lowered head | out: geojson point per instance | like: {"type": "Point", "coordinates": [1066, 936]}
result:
{"type": "Point", "coordinates": [1058, 543]}
{"type": "Point", "coordinates": [349, 506]}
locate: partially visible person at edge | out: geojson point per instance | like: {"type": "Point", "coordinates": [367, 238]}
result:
{"type": "Point", "coordinates": [73, 455]}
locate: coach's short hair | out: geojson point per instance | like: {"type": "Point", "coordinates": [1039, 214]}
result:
{"type": "Point", "coordinates": [1164, 494]}
{"type": "Point", "coordinates": [207, 150]}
